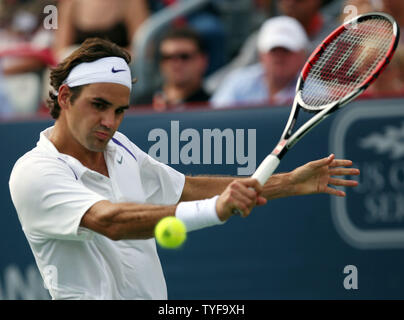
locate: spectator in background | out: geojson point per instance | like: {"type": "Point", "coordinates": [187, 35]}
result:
{"type": "Point", "coordinates": [116, 21]}
{"type": "Point", "coordinates": [183, 63]}
{"type": "Point", "coordinates": [31, 49]}
{"type": "Point", "coordinates": [307, 12]}
{"type": "Point", "coordinates": [25, 53]}
{"type": "Point", "coordinates": [25, 46]}
{"type": "Point", "coordinates": [282, 44]}
{"type": "Point", "coordinates": [208, 23]}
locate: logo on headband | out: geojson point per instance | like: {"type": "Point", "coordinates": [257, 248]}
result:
{"type": "Point", "coordinates": [116, 71]}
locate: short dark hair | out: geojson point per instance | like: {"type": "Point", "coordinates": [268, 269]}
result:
{"type": "Point", "coordinates": [91, 50]}
{"type": "Point", "coordinates": [185, 33]}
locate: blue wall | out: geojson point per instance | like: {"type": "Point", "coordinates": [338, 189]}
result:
{"type": "Point", "coordinates": [293, 248]}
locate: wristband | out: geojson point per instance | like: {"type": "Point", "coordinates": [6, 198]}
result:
{"type": "Point", "coordinates": [198, 214]}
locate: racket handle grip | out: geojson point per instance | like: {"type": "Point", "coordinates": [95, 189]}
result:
{"type": "Point", "coordinates": [266, 169]}
{"type": "Point", "coordinates": [262, 174]}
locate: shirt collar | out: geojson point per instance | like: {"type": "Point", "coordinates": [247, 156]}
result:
{"type": "Point", "coordinates": [79, 169]}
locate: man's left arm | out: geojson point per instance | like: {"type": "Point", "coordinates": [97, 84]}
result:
{"type": "Point", "coordinates": [313, 177]}
{"type": "Point", "coordinates": [203, 187]}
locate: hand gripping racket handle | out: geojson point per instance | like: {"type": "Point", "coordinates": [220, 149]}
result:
{"type": "Point", "coordinates": [262, 174]}
{"type": "Point", "coordinates": [266, 169]}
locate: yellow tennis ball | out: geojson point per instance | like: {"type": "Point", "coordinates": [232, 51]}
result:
{"type": "Point", "coordinates": [170, 232]}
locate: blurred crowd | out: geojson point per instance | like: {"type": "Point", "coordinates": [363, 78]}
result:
{"type": "Point", "coordinates": [226, 53]}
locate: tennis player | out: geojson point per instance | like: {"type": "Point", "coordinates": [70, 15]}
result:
{"type": "Point", "coordinates": [88, 198]}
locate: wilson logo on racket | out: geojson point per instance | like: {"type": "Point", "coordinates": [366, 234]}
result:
{"type": "Point", "coordinates": [357, 60]}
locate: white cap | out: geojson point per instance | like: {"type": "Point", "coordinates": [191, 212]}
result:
{"type": "Point", "coordinates": [109, 69]}
{"type": "Point", "coordinates": [284, 32]}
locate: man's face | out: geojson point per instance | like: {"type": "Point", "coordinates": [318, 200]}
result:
{"type": "Point", "coordinates": [181, 62]}
{"type": "Point", "coordinates": [282, 63]}
{"type": "Point", "coordinates": [96, 114]}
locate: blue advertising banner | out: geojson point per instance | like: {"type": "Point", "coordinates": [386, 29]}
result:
{"type": "Point", "coordinates": [373, 215]}
{"type": "Point", "coordinates": [309, 247]}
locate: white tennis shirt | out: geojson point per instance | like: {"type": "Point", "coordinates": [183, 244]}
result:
{"type": "Point", "coordinates": [51, 192]}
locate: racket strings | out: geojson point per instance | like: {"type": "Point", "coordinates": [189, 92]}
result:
{"type": "Point", "coordinates": [347, 62]}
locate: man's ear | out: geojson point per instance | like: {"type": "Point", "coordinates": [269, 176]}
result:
{"type": "Point", "coordinates": [64, 96]}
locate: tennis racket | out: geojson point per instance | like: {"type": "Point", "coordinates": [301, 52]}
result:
{"type": "Point", "coordinates": [337, 71]}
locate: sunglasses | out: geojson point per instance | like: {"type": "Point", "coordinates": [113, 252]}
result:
{"type": "Point", "coordinates": [185, 56]}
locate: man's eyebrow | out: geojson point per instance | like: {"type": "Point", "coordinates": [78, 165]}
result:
{"type": "Point", "coordinates": [106, 102]}
{"type": "Point", "coordinates": [101, 100]}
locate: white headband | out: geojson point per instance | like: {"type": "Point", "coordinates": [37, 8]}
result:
{"type": "Point", "coordinates": [110, 70]}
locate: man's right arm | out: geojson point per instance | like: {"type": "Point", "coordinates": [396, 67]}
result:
{"type": "Point", "coordinates": [119, 221]}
